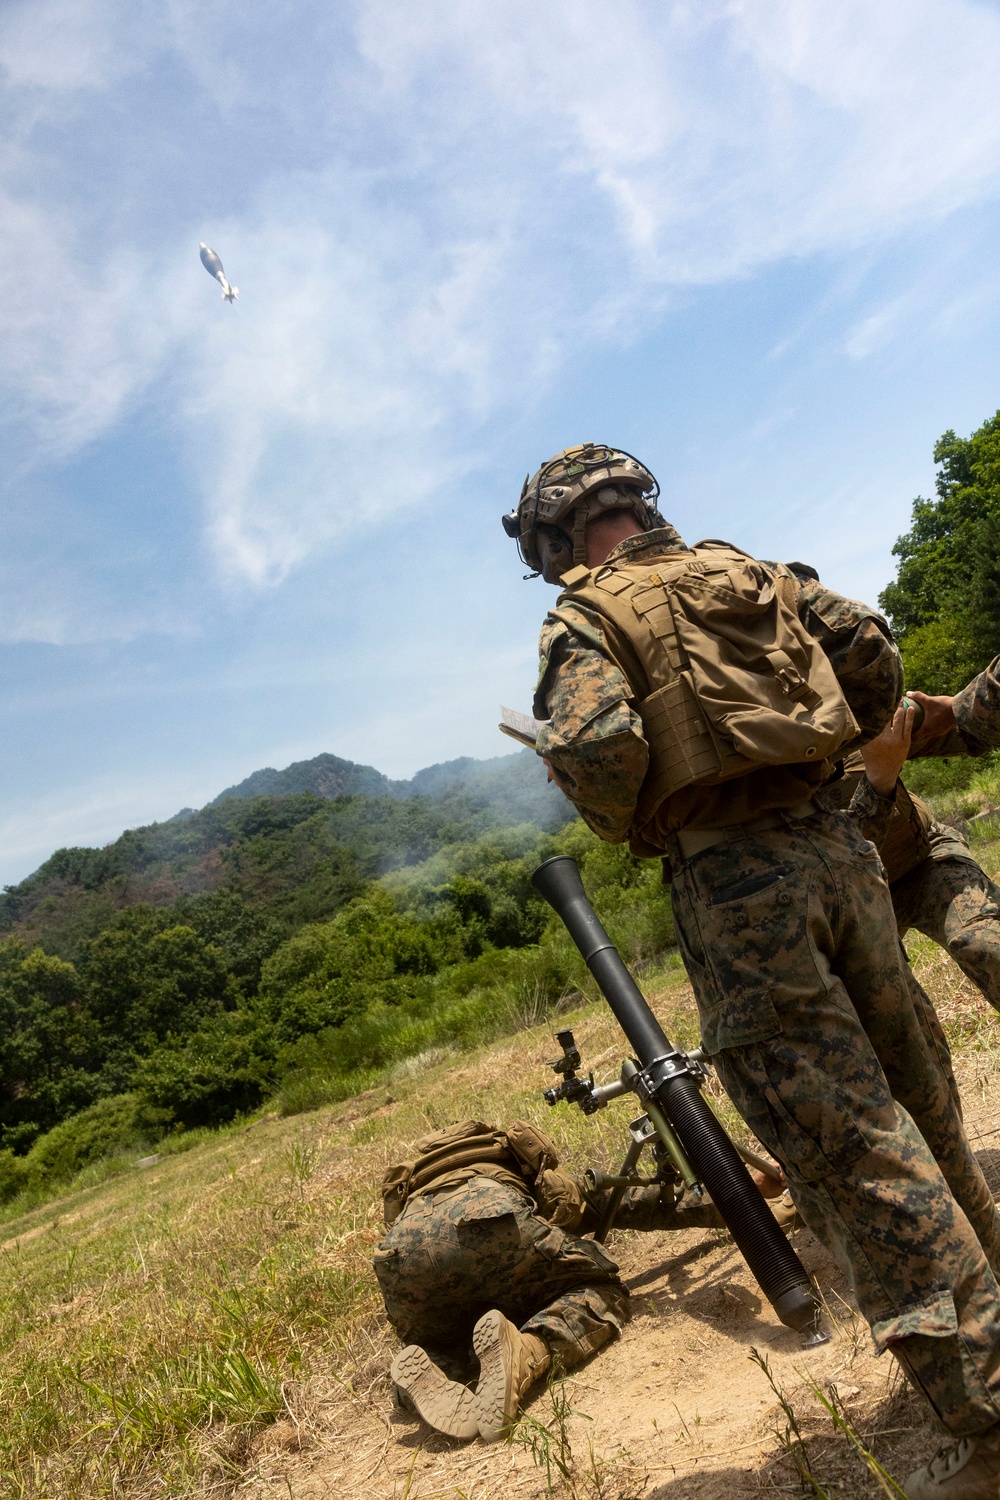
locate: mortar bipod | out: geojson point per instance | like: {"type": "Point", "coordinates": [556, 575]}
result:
{"type": "Point", "coordinates": [652, 1128]}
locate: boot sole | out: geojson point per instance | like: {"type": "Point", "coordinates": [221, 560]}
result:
{"type": "Point", "coordinates": [495, 1398]}
{"type": "Point", "coordinates": [444, 1404]}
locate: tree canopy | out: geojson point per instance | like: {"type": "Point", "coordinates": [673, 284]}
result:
{"type": "Point", "coordinates": [944, 604]}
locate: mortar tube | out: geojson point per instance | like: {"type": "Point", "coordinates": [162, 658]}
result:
{"type": "Point", "coordinates": [666, 1076]}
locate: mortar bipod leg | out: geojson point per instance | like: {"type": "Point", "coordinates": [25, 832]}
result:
{"type": "Point", "coordinates": [613, 1204]}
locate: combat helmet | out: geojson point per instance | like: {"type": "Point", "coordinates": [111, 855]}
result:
{"type": "Point", "coordinates": [581, 481]}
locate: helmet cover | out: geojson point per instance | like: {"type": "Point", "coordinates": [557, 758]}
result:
{"type": "Point", "coordinates": [581, 481]}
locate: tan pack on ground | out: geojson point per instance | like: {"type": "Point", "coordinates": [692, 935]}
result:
{"type": "Point", "coordinates": [727, 677]}
{"type": "Point", "coordinates": [521, 1149]}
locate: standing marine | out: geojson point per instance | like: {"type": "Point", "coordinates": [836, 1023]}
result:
{"type": "Point", "coordinates": [937, 887]}
{"type": "Point", "coordinates": [694, 702]}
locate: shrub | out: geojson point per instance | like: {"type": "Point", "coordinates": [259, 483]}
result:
{"type": "Point", "coordinates": [108, 1127]}
{"type": "Point", "coordinates": [221, 1070]}
{"type": "Point", "coordinates": [48, 1043]}
{"type": "Point", "coordinates": [368, 955]}
{"type": "Point", "coordinates": [957, 785]}
{"type": "Point", "coordinates": [13, 1175]}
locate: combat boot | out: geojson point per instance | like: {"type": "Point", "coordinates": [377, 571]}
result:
{"type": "Point", "coordinates": [785, 1212]}
{"type": "Point", "coordinates": [509, 1364]}
{"type": "Point", "coordinates": [444, 1404]}
{"type": "Point", "coordinates": [966, 1470]}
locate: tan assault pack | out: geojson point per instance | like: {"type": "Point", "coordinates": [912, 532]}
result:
{"type": "Point", "coordinates": [726, 676]}
{"type": "Point", "coordinates": [525, 1153]}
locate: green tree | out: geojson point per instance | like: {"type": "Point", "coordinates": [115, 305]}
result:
{"type": "Point", "coordinates": [945, 601]}
{"type": "Point", "coordinates": [245, 934]}
{"type": "Point", "coordinates": [369, 953]}
{"type": "Point", "coordinates": [148, 980]}
{"type": "Point", "coordinates": [220, 1070]}
{"type": "Point", "coordinates": [49, 1043]}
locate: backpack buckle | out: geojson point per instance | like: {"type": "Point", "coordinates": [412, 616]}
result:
{"type": "Point", "coordinates": [793, 684]}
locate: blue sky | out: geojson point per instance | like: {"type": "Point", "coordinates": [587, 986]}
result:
{"type": "Point", "coordinates": [754, 243]}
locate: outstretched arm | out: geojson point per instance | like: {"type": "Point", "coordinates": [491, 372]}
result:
{"type": "Point", "coordinates": [967, 723]}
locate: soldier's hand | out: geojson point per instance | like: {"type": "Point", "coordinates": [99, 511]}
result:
{"type": "Point", "coordinates": [884, 757]}
{"type": "Point", "coordinates": [939, 716]}
{"type": "Point", "coordinates": [562, 782]}
{"type": "Point", "coordinates": [768, 1186]}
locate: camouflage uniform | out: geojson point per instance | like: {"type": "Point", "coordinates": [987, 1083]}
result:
{"type": "Point", "coordinates": [947, 896]}
{"type": "Point", "coordinates": [977, 711]}
{"type": "Point", "coordinates": [457, 1251]}
{"type": "Point", "coordinates": [819, 1033]}
{"type": "Point", "coordinates": [952, 900]}
{"type": "Point", "coordinates": [977, 719]}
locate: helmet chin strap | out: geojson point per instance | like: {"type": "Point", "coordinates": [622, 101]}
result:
{"type": "Point", "coordinates": [580, 518]}
{"type": "Point", "coordinates": [587, 510]}
{"type": "Point", "coordinates": [553, 549]}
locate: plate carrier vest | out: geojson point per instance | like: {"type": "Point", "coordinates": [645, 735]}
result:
{"type": "Point", "coordinates": [726, 677]}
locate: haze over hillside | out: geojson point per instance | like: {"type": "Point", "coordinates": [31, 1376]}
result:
{"type": "Point", "coordinates": [299, 842]}
{"type": "Point", "coordinates": [182, 961]}
{"type": "Point", "coordinates": [513, 786]}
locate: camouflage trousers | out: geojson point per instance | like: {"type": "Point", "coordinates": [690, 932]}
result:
{"type": "Point", "coordinates": [834, 1056]}
{"type": "Point", "coordinates": [956, 903]}
{"type": "Point", "coordinates": [453, 1255]}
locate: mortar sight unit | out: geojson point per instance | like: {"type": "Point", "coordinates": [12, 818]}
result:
{"type": "Point", "coordinates": [690, 1146]}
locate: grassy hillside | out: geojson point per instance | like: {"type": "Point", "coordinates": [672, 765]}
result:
{"type": "Point", "coordinates": [152, 1324]}
{"type": "Point", "coordinates": [208, 1324]}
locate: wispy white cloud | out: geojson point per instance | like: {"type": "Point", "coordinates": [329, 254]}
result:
{"type": "Point", "coordinates": [729, 132]}
{"type": "Point", "coordinates": [487, 188]}
{"type": "Point", "coordinates": [319, 406]}
{"type": "Point", "coordinates": [59, 45]}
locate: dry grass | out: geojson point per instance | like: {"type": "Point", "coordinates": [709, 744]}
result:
{"type": "Point", "coordinates": [154, 1325]}
{"type": "Point", "coordinates": [210, 1325]}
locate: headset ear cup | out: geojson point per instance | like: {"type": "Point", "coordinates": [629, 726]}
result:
{"type": "Point", "coordinates": [553, 553]}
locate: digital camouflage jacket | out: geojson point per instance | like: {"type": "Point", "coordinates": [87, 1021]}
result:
{"type": "Point", "coordinates": [977, 710]}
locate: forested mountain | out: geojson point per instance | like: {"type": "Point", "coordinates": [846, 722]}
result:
{"type": "Point", "coordinates": [297, 843]}
{"type": "Point", "coordinates": [513, 787]}
{"type": "Point", "coordinates": [177, 963]}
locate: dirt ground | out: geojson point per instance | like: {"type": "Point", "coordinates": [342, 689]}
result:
{"type": "Point", "coordinates": [677, 1407]}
